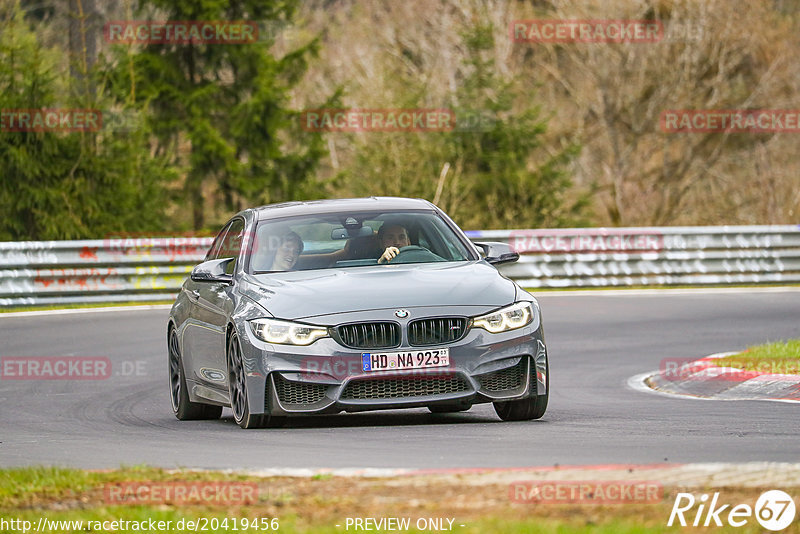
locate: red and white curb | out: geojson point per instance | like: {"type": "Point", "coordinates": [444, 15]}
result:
{"type": "Point", "coordinates": [703, 379]}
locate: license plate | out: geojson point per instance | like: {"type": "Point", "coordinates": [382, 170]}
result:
{"type": "Point", "coordinates": [415, 359]}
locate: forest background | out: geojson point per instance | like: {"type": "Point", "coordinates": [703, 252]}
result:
{"type": "Point", "coordinates": [569, 133]}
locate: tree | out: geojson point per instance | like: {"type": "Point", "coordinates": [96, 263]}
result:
{"type": "Point", "coordinates": [221, 110]}
{"type": "Point", "coordinates": [67, 185]}
{"type": "Point", "coordinates": [82, 43]}
{"type": "Point", "coordinates": [708, 58]}
{"type": "Point", "coordinates": [492, 172]}
{"type": "Point", "coordinates": [508, 180]}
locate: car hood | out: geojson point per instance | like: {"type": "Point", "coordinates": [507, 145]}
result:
{"type": "Point", "coordinates": [303, 294]}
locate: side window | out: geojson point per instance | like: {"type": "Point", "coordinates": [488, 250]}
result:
{"type": "Point", "coordinates": [232, 243]}
{"type": "Point", "coordinates": [215, 246]}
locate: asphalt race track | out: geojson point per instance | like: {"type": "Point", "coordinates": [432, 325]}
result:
{"type": "Point", "coordinates": [596, 342]}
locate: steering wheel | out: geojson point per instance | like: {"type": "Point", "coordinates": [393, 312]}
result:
{"type": "Point", "coordinates": [415, 254]}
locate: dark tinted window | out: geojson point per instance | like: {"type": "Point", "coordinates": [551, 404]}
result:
{"type": "Point", "coordinates": [214, 250]}
{"type": "Point", "coordinates": [231, 243]}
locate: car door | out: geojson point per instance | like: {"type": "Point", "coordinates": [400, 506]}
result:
{"type": "Point", "coordinates": [193, 330]}
{"type": "Point", "coordinates": [213, 307]}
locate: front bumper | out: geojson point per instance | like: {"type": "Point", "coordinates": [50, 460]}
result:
{"type": "Point", "coordinates": [326, 377]}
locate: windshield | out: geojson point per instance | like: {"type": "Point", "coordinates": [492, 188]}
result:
{"type": "Point", "coordinates": [343, 240]}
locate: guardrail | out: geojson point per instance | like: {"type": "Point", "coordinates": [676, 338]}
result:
{"type": "Point", "coordinates": [104, 270]}
{"type": "Point", "coordinates": [152, 269]}
{"type": "Point", "coordinates": [607, 257]}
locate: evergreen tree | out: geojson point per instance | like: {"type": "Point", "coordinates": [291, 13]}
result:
{"type": "Point", "coordinates": [67, 185]}
{"type": "Point", "coordinates": [221, 110]}
{"type": "Point", "coordinates": [491, 170]}
{"type": "Point", "coordinates": [511, 183]}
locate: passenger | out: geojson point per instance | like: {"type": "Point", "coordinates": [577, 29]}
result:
{"type": "Point", "coordinates": [392, 238]}
{"type": "Point", "coordinates": [288, 252]}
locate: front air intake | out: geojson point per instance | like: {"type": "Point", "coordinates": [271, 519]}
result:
{"type": "Point", "coordinates": [377, 335]}
{"type": "Point", "coordinates": [395, 388]}
{"type": "Point", "coordinates": [436, 331]}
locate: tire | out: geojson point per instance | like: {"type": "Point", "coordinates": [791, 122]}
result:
{"type": "Point", "coordinates": [525, 409]}
{"type": "Point", "coordinates": [444, 408]}
{"type": "Point", "coordinates": [237, 386]}
{"type": "Point", "coordinates": [182, 407]}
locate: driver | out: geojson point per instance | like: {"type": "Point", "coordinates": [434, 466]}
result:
{"type": "Point", "coordinates": [392, 238]}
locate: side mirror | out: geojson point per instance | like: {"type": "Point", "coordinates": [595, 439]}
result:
{"type": "Point", "coordinates": [212, 271]}
{"type": "Point", "coordinates": [498, 253]}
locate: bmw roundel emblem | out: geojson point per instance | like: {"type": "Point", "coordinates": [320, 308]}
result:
{"type": "Point", "coordinates": [402, 314]}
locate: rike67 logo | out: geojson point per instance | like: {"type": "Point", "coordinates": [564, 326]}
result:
{"type": "Point", "coordinates": [774, 510]}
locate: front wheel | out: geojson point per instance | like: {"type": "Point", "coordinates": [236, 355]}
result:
{"type": "Point", "coordinates": [525, 409]}
{"type": "Point", "coordinates": [182, 407]}
{"type": "Point", "coordinates": [240, 403]}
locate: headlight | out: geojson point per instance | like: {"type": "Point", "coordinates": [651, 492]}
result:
{"type": "Point", "coordinates": [509, 318]}
{"type": "Point", "coordinates": [286, 332]}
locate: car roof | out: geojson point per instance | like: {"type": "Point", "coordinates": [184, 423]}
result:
{"type": "Point", "coordinates": [288, 209]}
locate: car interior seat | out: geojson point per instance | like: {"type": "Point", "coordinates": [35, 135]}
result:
{"type": "Point", "coordinates": [359, 248]}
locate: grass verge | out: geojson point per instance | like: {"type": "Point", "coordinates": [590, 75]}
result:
{"type": "Point", "coordinates": [324, 504]}
{"type": "Point", "coordinates": [782, 357]}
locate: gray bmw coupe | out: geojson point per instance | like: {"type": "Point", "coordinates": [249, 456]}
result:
{"type": "Point", "coordinates": [349, 305]}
